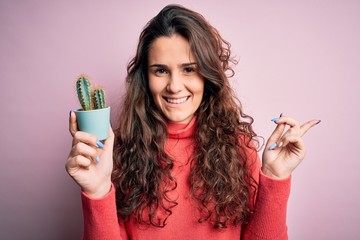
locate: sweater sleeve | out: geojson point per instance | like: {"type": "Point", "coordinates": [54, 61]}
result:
{"type": "Point", "coordinates": [269, 218]}
{"type": "Point", "coordinates": [100, 218]}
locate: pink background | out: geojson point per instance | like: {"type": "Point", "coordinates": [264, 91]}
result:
{"type": "Point", "coordinates": [296, 57]}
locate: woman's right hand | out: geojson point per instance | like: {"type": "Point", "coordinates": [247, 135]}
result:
{"type": "Point", "coordinates": [89, 163]}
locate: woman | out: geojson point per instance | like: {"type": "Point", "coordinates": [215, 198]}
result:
{"type": "Point", "coordinates": [183, 163]}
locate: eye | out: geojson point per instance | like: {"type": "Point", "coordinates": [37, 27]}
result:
{"type": "Point", "coordinates": [189, 69]}
{"type": "Point", "coordinates": [161, 71]}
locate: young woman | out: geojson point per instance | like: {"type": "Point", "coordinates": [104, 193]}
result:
{"type": "Point", "coordinates": [182, 163]}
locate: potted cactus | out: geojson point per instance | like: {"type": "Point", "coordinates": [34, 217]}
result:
{"type": "Point", "coordinates": [94, 117]}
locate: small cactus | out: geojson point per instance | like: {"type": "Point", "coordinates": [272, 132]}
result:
{"type": "Point", "coordinates": [99, 98]}
{"type": "Point", "coordinates": [88, 98]}
{"type": "Point", "coordinates": [83, 88]}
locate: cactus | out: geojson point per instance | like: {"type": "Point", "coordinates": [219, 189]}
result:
{"type": "Point", "coordinates": [99, 98]}
{"type": "Point", "coordinates": [83, 88]}
{"type": "Point", "coordinates": [88, 98]}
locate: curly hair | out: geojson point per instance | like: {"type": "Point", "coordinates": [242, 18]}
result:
{"type": "Point", "coordinates": [220, 178]}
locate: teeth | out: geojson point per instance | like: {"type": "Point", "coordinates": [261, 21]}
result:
{"type": "Point", "coordinates": [176, 100]}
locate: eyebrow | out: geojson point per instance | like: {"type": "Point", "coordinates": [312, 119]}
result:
{"type": "Point", "coordinates": [164, 66]}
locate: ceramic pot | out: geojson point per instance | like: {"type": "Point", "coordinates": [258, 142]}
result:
{"type": "Point", "coordinates": [95, 121]}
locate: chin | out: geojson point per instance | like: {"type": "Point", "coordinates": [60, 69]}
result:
{"type": "Point", "coordinates": [185, 119]}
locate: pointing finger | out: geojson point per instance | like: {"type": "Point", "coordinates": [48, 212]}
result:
{"type": "Point", "coordinates": [306, 126]}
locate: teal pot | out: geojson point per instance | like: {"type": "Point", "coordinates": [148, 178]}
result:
{"type": "Point", "coordinates": [95, 122]}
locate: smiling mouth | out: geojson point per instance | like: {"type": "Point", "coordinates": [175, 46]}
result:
{"type": "Point", "coordinates": [176, 100]}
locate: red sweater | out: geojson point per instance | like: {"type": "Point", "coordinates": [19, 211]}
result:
{"type": "Point", "coordinates": [268, 221]}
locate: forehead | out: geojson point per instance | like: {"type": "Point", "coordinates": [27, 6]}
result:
{"type": "Point", "coordinates": [175, 48]}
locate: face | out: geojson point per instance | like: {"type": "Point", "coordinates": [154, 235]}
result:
{"type": "Point", "coordinates": [174, 79]}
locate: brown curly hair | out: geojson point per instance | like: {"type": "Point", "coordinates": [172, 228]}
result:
{"type": "Point", "coordinates": [220, 178]}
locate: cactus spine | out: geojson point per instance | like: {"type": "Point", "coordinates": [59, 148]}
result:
{"type": "Point", "coordinates": [88, 98]}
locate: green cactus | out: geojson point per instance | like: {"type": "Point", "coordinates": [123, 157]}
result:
{"type": "Point", "coordinates": [83, 88]}
{"type": "Point", "coordinates": [99, 98]}
{"type": "Point", "coordinates": [88, 98]}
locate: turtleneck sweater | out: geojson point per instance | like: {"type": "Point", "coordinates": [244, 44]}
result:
{"type": "Point", "coordinates": [267, 222]}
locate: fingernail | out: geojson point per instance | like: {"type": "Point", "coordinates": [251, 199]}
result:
{"type": "Point", "coordinates": [318, 122]}
{"type": "Point", "coordinates": [97, 159]}
{"type": "Point", "coordinates": [275, 119]}
{"type": "Point", "coordinates": [280, 144]}
{"type": "Point", "coordinates": [99, 144]}
{"type": "Point", "coordinates": [281, 115]}
{"type": "Point", "coordinates": [70, 113]}
{"type": "Point", "coordinates": [273, 146]}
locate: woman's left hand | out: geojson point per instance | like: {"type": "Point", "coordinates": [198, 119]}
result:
{"type": "Point", "coordinates": [285, 151]}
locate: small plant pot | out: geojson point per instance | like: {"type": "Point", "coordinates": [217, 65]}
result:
{"type": "Point", "coordinates": [95, 122]}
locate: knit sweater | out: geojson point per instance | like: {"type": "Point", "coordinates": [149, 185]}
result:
{"type": "Point", "coordinates": [268, 221]}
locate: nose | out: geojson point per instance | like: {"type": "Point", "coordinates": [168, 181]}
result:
{"type": "Point", "coordinates": [175, 83]}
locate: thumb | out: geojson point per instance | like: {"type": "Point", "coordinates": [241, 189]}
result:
{"type": "Point", "coordinates": [110, 140]}
{"type": "Point", "coordinates": [72, 124]}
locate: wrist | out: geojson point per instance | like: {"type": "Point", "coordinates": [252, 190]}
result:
{"type": "Point", "coordinates": [270, 174]}
{"type": "Point", "coordinates": [100, 191]}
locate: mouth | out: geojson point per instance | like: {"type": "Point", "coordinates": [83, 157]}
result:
{"type": "Point", "coordinates": [176, 100]}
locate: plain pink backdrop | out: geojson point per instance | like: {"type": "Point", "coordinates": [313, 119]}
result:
{"type": "Point", "coordinates": [296, 57]}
